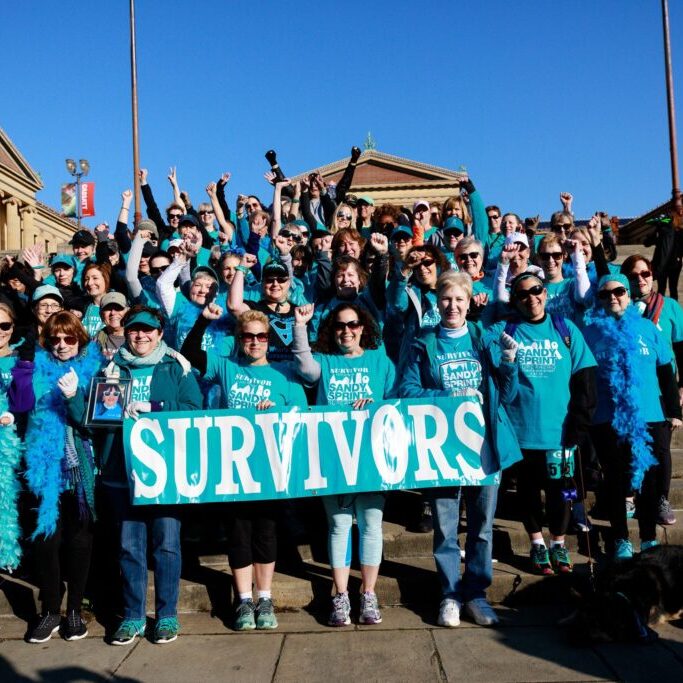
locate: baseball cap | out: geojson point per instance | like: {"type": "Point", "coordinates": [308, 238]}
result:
{"type": "Point", "coordinates": [113, 298]}
{"type": "Point", "coordinates": [188, 219]}
{"type": "Point", "coordinates": [147, 224]}
{"type": "Point", "coordinates": [454, 224]}
{"type": "Point", "coordinates": [400, 231]}
{"type": "Point", "coordinates": [67, 260]}
{"type": "Point", "coordinates": [83, 238]}
{"type": "Point", "coordinates": [517, 238]}
{"type": "Point", "coordinates": [420, 202]}
{"type": "Point", "coordinates": [46, 291]}
{"type": "Point", "coordinates": [366, 199]}
{"type": "Point", "coordinates": [143, 318]}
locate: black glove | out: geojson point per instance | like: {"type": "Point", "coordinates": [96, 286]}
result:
{"type": "Point", "coordinates": [271, 157]}
{"type": "Point", "coordinates": [27, 349]}
{"type": "Point", "coordinates": [355, 153]}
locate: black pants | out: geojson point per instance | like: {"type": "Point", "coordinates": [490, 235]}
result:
{"type": "Point", "coordinates": [64, 555]}
{"type": "Point", "coordinates": [532, 478]}
{"type": "Point", "coordinates": [670, 274]}
{"type": "Point", "coordinates": [615, 460]}
{"type": "Point", "coordinates": [252, 533]}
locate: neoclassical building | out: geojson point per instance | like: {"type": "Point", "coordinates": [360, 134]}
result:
{"type": "Point", "coordinates": [24, 220]}
{"type": "Point", "coordinates": [394, 180]}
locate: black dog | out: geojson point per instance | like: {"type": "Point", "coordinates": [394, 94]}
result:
{"type": "Point", "coordinates": [629, 596]}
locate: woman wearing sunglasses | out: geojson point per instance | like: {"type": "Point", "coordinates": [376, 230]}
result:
{"type": "Point", "coordinates": [349, 368]}
{"type": "Point", "coordinates": [667, 316]}
{"type": "Point", "coordinates": [453, 359]}
{"type": "Point", "coordinates": [631, 425]}
{"type": "Point", "coordinates": [60, 472]}
{"type": "Point", "coordinates": [344, 217]}
{"type": "Point", "coordinates": [249, 382]}
{"type": "Point", "coordinates": [161, 380]}
{"type": "Point", "coordinates": [550, 413]}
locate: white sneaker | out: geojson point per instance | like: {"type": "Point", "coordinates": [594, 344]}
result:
{"type": "Point", "coordinates": [481, 612]}
{"type": "Point", "coordinates": [449, 613]}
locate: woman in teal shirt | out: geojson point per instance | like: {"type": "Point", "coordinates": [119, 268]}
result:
{"type": "Point", "coordinates": [350, 368]}
{"type": "Point", "coordinates": [248, 383]}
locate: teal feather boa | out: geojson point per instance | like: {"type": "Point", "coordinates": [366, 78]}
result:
{"type": "Point", "coordinates": [11, 450]}
{"type": "Point", "coordinates": [45, 472]}
{"type": "Point", "coordinates": [628, 421]}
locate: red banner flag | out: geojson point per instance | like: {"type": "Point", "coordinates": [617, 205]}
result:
{"type": "Point", "coordinates": [87, 199]}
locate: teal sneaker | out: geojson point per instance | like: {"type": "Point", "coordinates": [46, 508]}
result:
{"type": "Point", "coordinates": [128, 631]}
{"type": "Point", "coordinates": [560, 560]}
{"type": "Point", "coordinates": [265, 615]}
{"type": "Point", "coordinates": [623, 550]}
{"type": "Point", "coordinates": [244, 616]}
{"type": "Point", "coordinates": [166, 630]}
{"type": "Point", "coordinates": [540, 560]}
{"type": "Point", "coordinates": [646, 545]}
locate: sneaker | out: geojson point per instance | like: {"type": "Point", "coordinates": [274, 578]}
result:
{"type": "Point", "coordinates": [166, 630]}
{"type": "Point", "coordinates": [449, 613]}
{"type": "Point", "coordinates": [265, 615]}
{"type": "Point", "coordinates": [540, 560]}
{"type": "Point", "coordinates": [623, 550]}
{"type": "Point", "coordinates": [341, 610]}
{"type": "Point", "coordinates": [47, 625]}
{"type": "Point", "coordinates": [630, 509]}
{"type": "Point", "coordinates": [481, 612]}
{"type": "Point", "coordinates": [74, 628]}
{"type": "Point", "coordinates": [369, 609]}
{"type": "Point", "coordinates": [426, 523]}
{"type": "Point", "coordinates": [245, 616]}
{"type": "Point", "coordinates": [665, 514]}
{"type": "Point", "coordinates": [646, 545]}
{"type": "Point", "coordinates": [128, 630]}
{"type": "Point", "coordinates": [560, 560]}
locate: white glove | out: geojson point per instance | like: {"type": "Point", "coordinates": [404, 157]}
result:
{"type": "Point", "coordinates": [509, 346]}
{"type": "Point", "coordinates": [68, 384]}
{"type": "Point", "coordinates": [6, 420]}
{"type": "Point", "coordinates": [134, 409]}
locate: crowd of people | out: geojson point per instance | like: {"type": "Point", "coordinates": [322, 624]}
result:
{"type": "Point", "coordinates": [324, 298]}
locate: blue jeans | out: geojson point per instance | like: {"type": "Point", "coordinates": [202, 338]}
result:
{"type": "Point", "coordinates": [138, 526]}
{"type": "Point", "coordinates": [481, 507]}
{"type": "Point", "coordinates": [369, 509]}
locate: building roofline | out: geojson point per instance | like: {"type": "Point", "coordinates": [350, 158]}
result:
{"type": "Point", "coordinates": [33, 176]}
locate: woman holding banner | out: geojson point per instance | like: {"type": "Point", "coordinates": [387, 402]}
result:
{"type": "Point", "coordinates": [351, 368]}
{"type": "Point", "coordinates": [249, 383]}
{"type": "Point", "coordinates": [454, 360]}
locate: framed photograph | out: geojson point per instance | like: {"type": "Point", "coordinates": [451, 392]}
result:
{"type": "Point", "coordinates": [106, 401]}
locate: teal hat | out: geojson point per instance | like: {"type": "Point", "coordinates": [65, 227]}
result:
{"type": "Point", "coordinates": [65, 259]}
{"type": "Point", "coordinates": [143, 318]}
{"type": "Point", "coordinates": [206, 270]}
{"type": "Point", "coordinates": [401, 230]}
{"type": "Point", "coordinates": [321, 230]}
{"type": "Point", "coordinates": [454, 224]}
{"type": "Point", "coordinates": [366, 199]}
{"type": "Point", "coordinates": [614, 277]}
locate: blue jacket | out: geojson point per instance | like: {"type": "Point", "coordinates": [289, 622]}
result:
{"type": "Point", "coordinates": [420, 379]}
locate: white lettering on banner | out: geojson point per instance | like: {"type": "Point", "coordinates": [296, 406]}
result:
{"type": "Point", "coordinates": [236, 456]}
{"type": "Point", "coordinates": [279, 451]}
{"type": "Point", "coordinates": [433, 445]}
{"type": "Point", "coordinates": [179, 427]}
{"type": "Point", "coordinates": [470, 438]}
{"type": "Point", "coordinates": [315, 478]}
{"type": "Point", "coordinates": [348, 457]}
{"type": "Point", "coordinates": [149, 458]}
{"type": "Point", "coordinates": [390, 440]}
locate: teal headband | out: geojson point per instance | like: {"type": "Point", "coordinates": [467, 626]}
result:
{"type": "Point", "coordinates": [614, 277]}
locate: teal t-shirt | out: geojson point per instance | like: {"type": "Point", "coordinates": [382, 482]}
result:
{"type": "Point", "coordinates": [670, 322]}
{"type": "Point", "coordinates": [561, 300]}
{"type": "Point", "coordinates": [344, 380]}
{"type": "Point", "coordinates": [6, 365]}
{"type": "Point", "coordinates": [545, 365]}
{"type": "Point", "coordinates": [92, 321]}
{"type": "Point", "coordinates": [430, 310]}
{"type": "Point", "coordinates": [653, 351]}
{"type": "Point", "coordinates": [244, 386]}
{"type": "Point", "coordinates": [141, 384]}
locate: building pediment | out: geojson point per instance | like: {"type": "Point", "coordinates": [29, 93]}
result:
{"type": "Point", "coordinates": [13, 163]}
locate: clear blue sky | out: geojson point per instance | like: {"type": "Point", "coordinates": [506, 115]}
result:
{"type": "Point", "coordinates": [531, 97]}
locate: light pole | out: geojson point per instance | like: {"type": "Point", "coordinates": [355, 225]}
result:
{"type": "Point", "coordinates": [71, 167]}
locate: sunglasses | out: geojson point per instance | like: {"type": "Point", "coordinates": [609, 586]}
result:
{"type": "Point", "coordinates": [175, 216]}
{"type": "Point", "coordinates": [294, 235]}
{"type": "Point", "coordinates": [340, 326]}
{"type": "Point", "coordinates": [113, 307]}
{"type": "Point", "coordinates": [280, 279]}
{"type": "Point", "coordinates": [473, 255]}
{"type": "Point", "coordinates": [644, 274]}
{"type": "Point", "coordinates": [524, 294]}
{"type": "Point", "coordinates": [555, 255]}
{"type": "Point", "coordinates": [345, 216]}
{"type": "Point", "coordinates": [425, 263]}
{"type": "Point", "coordinates": [387, 225]}
{"type": "Point", "coordinates": [606, 294]}
{"type": "Point", "coordinates": [157, 270]}
{"type": "Point", "coordinates": [261, 337]}
{"type": "Point", "coordinates": [6, 326]}
{"type": "Point", "coordinates": [205, 213]}
{"type": "Point", "coordinates": [68, 339]}
{"type": "Point", "coordinates": [111, 392]}
{"type": "Point", "coordinates": [493, 217]}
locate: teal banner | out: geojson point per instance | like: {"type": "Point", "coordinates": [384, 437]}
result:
{"type": "Point", "coordinates": [228, 455]}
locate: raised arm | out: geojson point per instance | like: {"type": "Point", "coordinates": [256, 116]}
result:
{"type": "Point", "coordinates": [173, 179]}
{"type": "Point", "coordinates": [306, 366]}
{"type": "Point", "coordinates": [225, 227]}
{"type": "Point", "coordinates": [276, 225]}
{"type": "Point", "coordinates": [344, 184]}
{"type": "Point", "coordinates": [133, 266]}
{"type": "Point", "coordinates": [236, 304]}
{"type": "Point", "coordinates": [165, 290]}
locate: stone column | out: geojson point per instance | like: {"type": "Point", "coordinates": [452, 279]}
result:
{"type": "Point", "coordinates": [28, 230]}
{"type": "Point", "coordinates": [13, 224]}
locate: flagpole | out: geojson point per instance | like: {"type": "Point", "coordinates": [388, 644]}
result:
{"type": "Point", "coordinates": [677, 201]}
{"type": "Point", "coordinates": [134, 104]}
